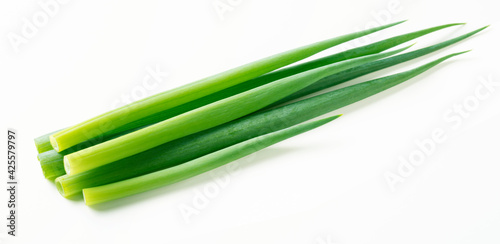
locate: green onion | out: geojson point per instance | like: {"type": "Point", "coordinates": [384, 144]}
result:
{"type": "Point", "coordinates": [108, 121]}
{"type": "Point", "coordinates": [195, 167]}
{"type": "Point", "coordinates": [203, 118]}
{"type": "Point", "coordinates": [52, 162]}
{"type": "Point", "coordinates": [178, 134]}
{"type": "Point", "coordinates": [43, 142]}
{"type": "Point", "coordinates": [211, 161]}
{"type": "Point", "coordinates": [188, 148]}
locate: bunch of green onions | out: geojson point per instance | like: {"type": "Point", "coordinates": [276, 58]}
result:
{"type": "Point", "coordinates": [195, 128]}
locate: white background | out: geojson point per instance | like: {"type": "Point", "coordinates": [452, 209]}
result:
{"type": "Point", "coordinates": [326, 186]}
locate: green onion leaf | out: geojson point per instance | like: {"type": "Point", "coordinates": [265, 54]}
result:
{"type": "Point", "coordinates": [52, 162]}
{"type": "Point", "coordinates": [195, 167]}
{"type": "Point", "coordinates": [77, 134]}
{"type": "Point", "coordinates": [203, 118]}
{"type": "Point", "coordinates": [43, 143]}
{"type": "Point", "coordinates": [373, 66]}
{"type": "Point", "coordinates": [191, 147]}
{"type": "Point", "coordinates": [211, 161]}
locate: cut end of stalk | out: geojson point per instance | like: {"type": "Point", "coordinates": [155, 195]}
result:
{"type": "Point", "coordinates": [39, 148]}
{"type": "Point", "coordinates": [59, 186]}
{"type": "Point", "coordinates": [85, 198]}
{"type": "Point", "coordinates": [53, 142]}
{"type": "Point", "coordinates": [67, 166]}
